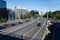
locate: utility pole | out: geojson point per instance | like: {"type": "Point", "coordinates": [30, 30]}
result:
{"type": "Point", "coordinates": [15, 13]}
{"type": "Point", "coordinates": [16, 10]}
{"type": "Point", "coordinates": [15, 7]}
{"type": "Point", "coordinates": [21, 13]}
{"type": "Point", "coordinates": [47, 19]}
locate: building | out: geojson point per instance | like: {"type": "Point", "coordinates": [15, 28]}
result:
{"type": "Point", "coordinates": [20, 12]}
{"type": "Point", "coordinates": [11, 15]}
{"type": "Point", "coordinates": [3, 10]}
{"type": "Point", "coordinates": [3, 4]}
{"type": "Point", "coordinates": [24, 11]}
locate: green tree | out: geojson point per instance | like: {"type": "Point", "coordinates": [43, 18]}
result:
{"type": "Point", "coordinates": [34, 13]}
{"type": "Point", "coordinates": [30, 14]}
{"type": "Point", "coordinates": [55, 15]}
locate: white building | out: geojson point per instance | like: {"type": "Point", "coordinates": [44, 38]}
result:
{"type": "Point", "coordinates": [20, 12]}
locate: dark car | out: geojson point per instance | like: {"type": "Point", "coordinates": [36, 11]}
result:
{"type": "Point", "coordinates": [13, 24]}
{"type": "Point", "coordinates": [38, 24]}
{"type": "Point", "coordinates": [1, 27]}
{"type": "Point", "coordinates": [27, 20]}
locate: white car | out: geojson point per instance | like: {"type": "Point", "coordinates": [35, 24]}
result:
{"type": "Point", "coordinates": [20, 21]}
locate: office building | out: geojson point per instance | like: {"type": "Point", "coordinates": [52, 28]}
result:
{"type": "Point", "coordinates": [3, 4]}
{"type": "Point", "coordinates": [3, 10]}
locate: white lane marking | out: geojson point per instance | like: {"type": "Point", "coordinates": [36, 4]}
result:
{"type": "Point", "coordinates": [28, 32]}
{"type": "Point", "coordinates": [21, 33]}
{"type": "Point", "coordinates": [37, 32]}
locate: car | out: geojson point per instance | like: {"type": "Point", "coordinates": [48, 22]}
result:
{"type": "Point", "coordinates": [27, 20]}
{"type": "Point", "coordinates": [12, 24]}
{"type": "Point", "coordinates": [34, 17]}
{"type": "Point", "coordinates": [5, 25]}
{"type": "Point", "coordinates": [38, 24]}
{"type": "Point", "coordinates": [20, 21]}
{"type": "Point", "coordinates": [1, 27]}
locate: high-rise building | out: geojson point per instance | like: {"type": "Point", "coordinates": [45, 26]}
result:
{"type": "Point", "coordinates": [3, 10]}
{"type": "Point", "coordinates": [2, 4]}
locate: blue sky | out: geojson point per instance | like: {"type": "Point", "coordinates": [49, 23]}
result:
{"type": "Point", "coordinates": [41, 5]}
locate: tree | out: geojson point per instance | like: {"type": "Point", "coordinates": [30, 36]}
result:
{"type": "Point", "coordinates": [34, 13]}
{"type": "Point", "coordinates": [55, 15]}
{"type": "Point", "coordinates": [49, 14]}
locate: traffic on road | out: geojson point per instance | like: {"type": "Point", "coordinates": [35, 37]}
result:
{"type": "Point", "coordinates": [13, 23]}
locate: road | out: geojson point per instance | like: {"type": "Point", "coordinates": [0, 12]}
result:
{"type": "Point", "coordinates": [13, 28]}
{"type": "Point", "coordinates": [32, 31]}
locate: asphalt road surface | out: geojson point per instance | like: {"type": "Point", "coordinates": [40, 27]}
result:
{"type": "Point", "coordinates": [30, 30]}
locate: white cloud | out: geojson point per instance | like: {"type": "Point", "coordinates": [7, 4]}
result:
{"type": "Point", "coordinates": [21, 8]}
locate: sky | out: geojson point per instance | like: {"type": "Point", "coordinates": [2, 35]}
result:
{"type": "Point", "coordinates": [40, 5]}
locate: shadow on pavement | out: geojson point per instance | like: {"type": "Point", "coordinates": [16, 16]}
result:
{"type": "Point", "coordinates": [55, 26]}
{"type": "Point", "coordinates": [7, 37]}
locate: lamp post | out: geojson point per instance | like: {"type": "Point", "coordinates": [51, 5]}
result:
{"type": "Point", "coordinates": [15, 13]}
{"type": "Point", "coordinates": [21, 12]}
{"type": "Point", "coordinates": [47, 19]}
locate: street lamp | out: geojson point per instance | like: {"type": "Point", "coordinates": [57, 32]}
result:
{"type": "Point", "coordinates": [21, 12]}
{"type": "Point", "coordinates": [15, 13]}
{"type": "Point", "coordinates": [47, 19]}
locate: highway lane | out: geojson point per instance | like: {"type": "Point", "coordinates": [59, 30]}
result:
{"type": "Point", "coordinates": [39, 34]}
{"type": "Point", "coordinates": [27, 28]}
{"type": "Point", "coordinates": [31, 33]}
